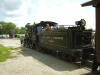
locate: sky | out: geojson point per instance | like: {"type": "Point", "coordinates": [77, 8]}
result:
{"type": "Point", "coordinates": [64, 12]}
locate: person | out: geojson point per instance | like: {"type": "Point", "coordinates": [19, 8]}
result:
{"type": "Point", "coordinates": [48, 27]}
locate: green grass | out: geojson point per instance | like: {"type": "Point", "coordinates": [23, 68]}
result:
{"type": "Point", "coordinates": [16, 38]}
{"type": "Point", "coordinates": [4, 53]}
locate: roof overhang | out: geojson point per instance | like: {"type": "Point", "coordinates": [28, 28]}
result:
{"type": "Point", "coordinates": [93, 2]}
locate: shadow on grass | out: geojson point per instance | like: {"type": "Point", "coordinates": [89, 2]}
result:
{"type": "Point", "coordinates": [49, 60]}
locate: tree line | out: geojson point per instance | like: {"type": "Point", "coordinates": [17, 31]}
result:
{"type": "Point", "coordinates": [9, 27]}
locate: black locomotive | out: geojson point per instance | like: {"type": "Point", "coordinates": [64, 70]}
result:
{"type": "Point", "coordinates": [72, 42]}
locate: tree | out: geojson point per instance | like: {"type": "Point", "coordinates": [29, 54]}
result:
{"type": "Point", "coordinates": [17, 30]}
{"type": "Point", "coordinates": [22, 30]}
{"type": "Point", "coordinates": [10, 28]}
{"type": "Point", "coordinates": [4, 25]}
{"type": "Point", "coordinates": [7, 27]}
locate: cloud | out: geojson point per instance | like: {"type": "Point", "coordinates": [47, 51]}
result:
{"type": "Point", "coordinates": [64, 12]}
{"type": "Point", "coordinates": [19, 15]}
{"type": "Point", "coordinates": [10, 5]}
{"type": "Point", "coordinates": [9, 8]}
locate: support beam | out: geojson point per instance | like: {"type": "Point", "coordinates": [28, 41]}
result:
{"type": "Point", "coordinates": [93, 2]}
{"type": "Point", "coordinates": [96, 4]}
{"type": "Point", "coordinates": [87, 3]}
{"type": "Point", "coordinates": [98, 33]}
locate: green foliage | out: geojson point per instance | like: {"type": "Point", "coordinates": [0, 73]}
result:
{"type": "Point", "coordinates": [9, 27]}
{"type": "Point", "coordinates": [17, 30]}
{"type": "Point", "coordinates": [21, 30]}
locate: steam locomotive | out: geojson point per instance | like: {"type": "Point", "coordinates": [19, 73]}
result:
{"type": "Point", "coordinates": [72, 42]}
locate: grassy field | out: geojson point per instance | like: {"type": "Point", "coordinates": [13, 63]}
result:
{"type": "Point", "coordinates": [13, 38]}
{"type": "Point", "coordinates": [16, 38]}
{"type": "Point", "coordinates": [4, 53]}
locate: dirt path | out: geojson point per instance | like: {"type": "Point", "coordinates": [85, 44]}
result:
{"type": "Point", "coordinates": [9, 42]}
{"type": "Point", "coordinates": [30, 62]}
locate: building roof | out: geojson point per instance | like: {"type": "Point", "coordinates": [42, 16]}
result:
{"type": "Point", "coordinates": [93, 2]}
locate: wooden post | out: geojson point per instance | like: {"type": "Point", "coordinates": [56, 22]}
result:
{"type": "Point", "coordinates": [96, 3]}
{"type": "Point", "coordinates": [98, 33]}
